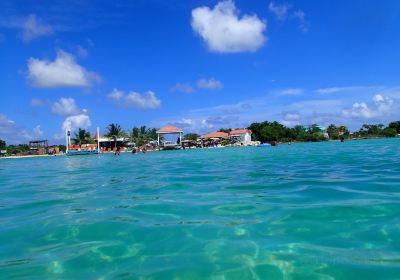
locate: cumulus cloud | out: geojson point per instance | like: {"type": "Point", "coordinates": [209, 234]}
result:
{"type": "Point", "coordinates": [35, 102]}
{"type": "Point", "coordinates": [179, 87]}
{"type": "Point", "coordinates": [147, 100]}
{"type": "Point", "coordinates": [382, 106]}
{"type": "Point", "coordinates": [225, 31]}
{"type": "Point", "coordinates": [62, 72]}
{"type": "Point", "coordinates": [33, 28]}
{"type": "Point", "coordinates": [211, 84]}
{"type": "Point", "coordinates": [77, 121]}
{"type": "Point", "coordinates": [37, 131]}
{"type": "Point", "coordinates": [65, 107]}
{"type": "Point", "coordinates": [280, 11]}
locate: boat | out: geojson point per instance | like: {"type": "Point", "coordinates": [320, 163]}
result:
{"type": "Point", "coordinates": [264, 145]}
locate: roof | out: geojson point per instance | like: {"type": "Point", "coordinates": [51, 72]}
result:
{"type": "Point", "coordinates": [217, 134]}
{"type": "Point", "coordinates": [240, 131]}
{"type": "Point", "coordinates": [169, 129]}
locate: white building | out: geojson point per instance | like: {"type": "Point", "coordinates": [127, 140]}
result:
{"type": "Point", "coordinates": [241, 135]}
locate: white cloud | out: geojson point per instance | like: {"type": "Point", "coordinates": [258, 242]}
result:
{"type": "Point", "coordinates": [179, 87]}
{"type": "Point", "coordinates": [35, 102]}
{"type": "Point", "coordinates": [77, 121]}
{"type": "Point", "coordinates": [210, 84]}
{"type": "Point", "coordinates": [280, 11]}
{"type": "Point", "coordinates": [147, 100]}
{"type": "Point", "coordinates": [37, 131]}
{"type": "Point", "coordinates": [348, 89]}
{"type": "Point", "coordinates": [383, 103]}
{"type": "Point", "coordinates": [62, 72]}
{"type": "Point", "coordinates": [290, 92]}
{"type": "Point", "coordinates": [81, 51]}
{"type": "Point", "coordinates": [33, 28]}
{"type": "Point", "coordinates": [224, 31]}
{"type": "Point", "coordinates": [382, 106]}
{"type": "Point", "coordinates": [303, 24]}
{"type": "Point", "coordinates": [11, 132]}
{"type": "Point", "coordinates": [291, 119]}
{"type": "Point", "coordinates": [65, 107]}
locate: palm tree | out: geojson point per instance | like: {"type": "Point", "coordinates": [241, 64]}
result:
{"type": "Point", "coordinates": [114, 129]}
{"type": "Point", "coordinates": [142, 135]}
{"type": "Point", "coordinates": [82, 137]}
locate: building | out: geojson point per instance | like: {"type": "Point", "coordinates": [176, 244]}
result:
{"type": "Point", "coordinates": [218, 135]}
{"type": "Point", "coordinates": [322, 130]}
{"type": "Point", "coordinates": [169, 130]}
{"type": "Point", "coordinates": [213, 139]}
{"type": "Point", "coordinates": [240, 135]}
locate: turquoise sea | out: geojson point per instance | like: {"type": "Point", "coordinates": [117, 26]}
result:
{"type": "Point", "coordinates": [304, 211]}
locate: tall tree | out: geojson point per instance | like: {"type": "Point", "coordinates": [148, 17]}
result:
{"type": "Point", "coordinates": [82, 137]}
{"type": "Point", "coordinates": [395, 125]}
{"type": "Point", "coordinates": [191, 136]}
{"type": "Point", "coordinates": [2, 144]}
{"type": "Point", "coordinates": [114, 130]}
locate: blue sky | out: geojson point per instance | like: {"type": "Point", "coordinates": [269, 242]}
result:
{"type": "Point", "coordinates": [200, 65]}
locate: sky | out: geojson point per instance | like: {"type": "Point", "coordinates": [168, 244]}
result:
{"type": "Point", "coordinates": [198, 65]}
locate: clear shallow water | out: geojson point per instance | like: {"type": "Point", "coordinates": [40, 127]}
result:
{"type": "Point", "coordinates": [304, 211]}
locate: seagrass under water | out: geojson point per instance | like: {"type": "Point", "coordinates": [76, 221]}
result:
{"type": "Point", "coordinates": [303, 211]}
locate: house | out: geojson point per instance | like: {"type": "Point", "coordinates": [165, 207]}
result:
{"type": "Point", "coordinates": [213, 138]}
{"type": "Point", "coordinates": [240, 135]}
{"type": "Point", "coordinates": [218, 135]}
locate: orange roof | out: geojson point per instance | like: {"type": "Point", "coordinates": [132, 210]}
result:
{"type": "Point", "coordinates": [239, 131]}
{"type": "Point", "coordinates": [217, 134]}
{"type": "Point", "coordinates": [169, 129]}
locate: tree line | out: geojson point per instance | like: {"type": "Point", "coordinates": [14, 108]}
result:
{"type": "Point", "coordinates": [275, 132]}
{"type": "Point", "coordinates": [139, 135]}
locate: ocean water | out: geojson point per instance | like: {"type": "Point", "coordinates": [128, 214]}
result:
{"type": "Point", "coordinates": [303, 211]}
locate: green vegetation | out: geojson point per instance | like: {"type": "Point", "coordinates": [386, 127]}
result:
{"type": "Point", "coordinates": [2, 145]}
{"type": "Point", "coordinates": [395, 126]}
{"type": "Point", "coordinates": [83, 137]}
{"type": "Point", "coordinates": [275, 132]}
{"type": "Point", "coordinates": [377, 130]}
{"type": "Point", "coordinates": [336, 132]}
{"type": "Point", "coordinates": [115, 130]}
{"type": "Point", "coordinates": [15, 149]}
{"type": "Point", "coordinates": [143, 135]}
{"type": "Point", "coordinates": [191, 136]}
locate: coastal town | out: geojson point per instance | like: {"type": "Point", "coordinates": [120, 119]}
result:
{"type": "Point", "coordinates": [143, 139]}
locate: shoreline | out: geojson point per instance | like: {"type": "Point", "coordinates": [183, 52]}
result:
{"type": "Point", "coordinates": [280, 143]}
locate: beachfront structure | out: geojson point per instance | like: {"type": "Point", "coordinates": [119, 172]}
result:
{"type": "Point", "coordinates": [83, 149]}
{"type": "Point", "coordinates": [322, 129]}
{"type": "Point", "coordinates": [169, 129]}
{"type": "Point", "coordinates": [217, 135]}
{"type": "Point", "coordinates": [110, 143]}
{"type": "Point", "coordinates": [240, 135]}
{"type": "Point", "coordinates": [38, 147]}
{"type": "Point", "coordinates": [213, 138]}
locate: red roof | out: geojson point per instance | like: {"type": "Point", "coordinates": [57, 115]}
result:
{"type": "Point", "coordinates": [217, 134]}
{"type": "Point", "coordinates": [169, 129]}
{"type": "Point", "coordinates": [240, 131]}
